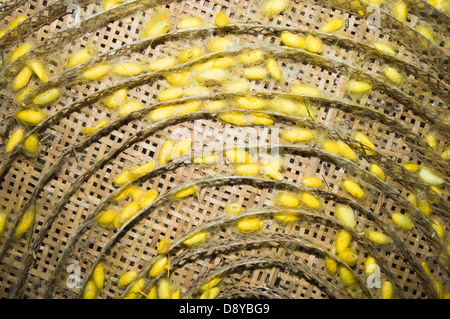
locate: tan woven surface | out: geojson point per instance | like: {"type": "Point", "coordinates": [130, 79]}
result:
{"type": "Point", "coordinates": [70, 181]}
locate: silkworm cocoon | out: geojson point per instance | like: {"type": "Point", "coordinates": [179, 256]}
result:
{"type": "Point", "coordinates": [347, 277]}
{"type": "Point", "coordinates": [298, 135]}
{"type": "Point", "coordinates": [287, 200]}
{"type": "Point", "coordinates": [439, 288]}
{"type": "Point", "coordinates": [250, 57]}
{"type": "Point", "coordinates": [358, 87]}
{"type": "Point", "coordinates": [310, 200]}
{"type": "Point", "coordinates": [127, 278]}
{"type": "Point", "coordinates": [128, 69]}
{"type": "Point", "coordinates": [287, 217]}
{"type": "Point", "coordinates": [206, 159]}
{"type": "Point", "coordinates": [402, 221]}
{"type": "Point", "coordinates": [215, 105]}
{"type": "Point", "coordinates": [224, 62]}
{"type": "Point", "coordinates": [271, 8]}
{"type": "Point", "coordinates": [158, 24]}
{"type": "Point", "coordinates": [220, 44]}
{"type": "Point", "coordinates": [387, 290]}
{"type": "Point", "coordinates": [255, 73]}
{"type": "Point", "coordinates": [196, 238]}
{"type": "Point", "coordinates": [31, 117]}
{"type": "Point", "coordinates": [292, 40]}
{"type": "Point", "coordinates": [98, 276]}
{"type": "Point", "coordinates": [46, 97]}
{"type": "Point", "coordinates": [125, 192]}
{"type": "Point", "coordinates": [115, 99]}
{"type": "Point", "coordinates": [178, 78]}
{"type": "Point", "coordinates": [164, 289]}
{"type": "Point", "coordinates": [393, 75]}
{"type": "Point", "coordinates": [212, 76]}
{"type": "Point", "coordinates": [221, 20]}
{"type": "Point", "coordinates": [238, 155]}
{"type": "Point", "coordinates": [162, 113]}
{"type": "Point", "coordinates": [25, 223]}
{"type": "Point", "coordinates": [210, 293]}
{"type": "Point", "coordinates": [14, 23]}
{"type": "Point", "coordinates": [378, 237]}
{"type": "Point", "coordinates": [15, 138]}
{"type": "Point", "coordinates": [38, 69]}
{"type": "Point", "coordinates": [143, 169]}
{"type": "Point", "coordinates": [430, 138]}
{"type": "Point", "coordinates": [165, 153]}
{"type": "Point", "coordinates": [274, 69]}
{"type": "Point", "coordinates": [378, 172]}
{"type": "Point", "coordinates": [330, 146]}
{"type": "Point", "coordinates": [79, 57]}
{"type": "Point", "coordinates": [353, 189]}
{"type": "Point", "coordinates": [400, 10]}
{"type": "Point", "coordinates": [271, 170]}
{"type": "Point", "coordinates": [127, 212]}
{"type": "Point", "coordinates": [332, 25]}
{"type": "Point", "coordinates": [240, 85]}
{"type": "Point", "coordinates": [438, 227]}
{"type": "Point", "coordinates": [190, 54]}
{"type": "Point", "coordinates": [312, 181]}
{"type": "Point", "coordinates": [425, 32]}
{"type": "Point", "coordinates": [187, 191]}
{"type": "Point", "coordinates": [22, 79]}
{"type": "Point", "coordinates": [347, 152]}
{"type": "Point", "coordinates": [370, 266]}
{"type": "Point", "coordinates": [233, 208]}
{"type": "Point", "coordinates": [349, 256]}
{"type": "Point", "coordinates": [250, 102]}
{"type": "Point", "coordinates": [136, 289]}
{"type": "Point", "coordinates": [106, 4]}
{"type": "Point", "coordinates": [342, 240]}
{"type": "Point", "coordinates": [129, 106]}
{"type": "Point", "coordinates": [248, 169]}
{"type": "Point", "coordinates": [159, 266]}
{"type": "Point", "coordinates": [90, 291]}
{"type": "Point", "coordinates": [261, 119]}
{"type": "Point", "coordinates": [384, 48]}
{"type": "Point", "coordinates": [2, 221]}
{"type": "Point", "coordinates": [210, 283]}
{"type": "Point", "coordinates": [313, 44]}
{"type": "Point", "coordinates": [438, 4]}
{"type": "Point", "coordinates": [412, 167]}
{"type": "Point", "coordinates": [332, 265]}
{"type": "Point", "coordinates": [161, 64]}
{"type": "Point", "coordinates": [196, 90]}
{"type": "Point", "coordinates": [163, 246]}
{"type": "Point", "coordinates": [106, 218]}
{"type": "Point", "coordinates": [181, 148]}
{"type": "Point", "coordinates": [365, 141]}
{"type": "Point", "coordinates": [20, 51]}
{"type": "Point", "coordinates": [171, 93]}
{"type": "Point", "coordinates": [31, 144]}
{"type": "Point", "coordinates": [249, 224]}
{"type": "Point", "coordinates": [190, 22]}
{"type": "Point", "coordinates": [424, 207]}
{"type": "Point", "coordinates": [345, 215]}
{"type": "Point", "coordinates": [96, 72]}
{"type": "Point", "coordinates": [23, 94]}
{"type": "Point", "coordinates": [445, 155]}
{"type": "Point", "coordinates": [427, 175]}
{"type": "Point", "coordinates": [305, 89]}
{"type": "Point", "coordinates": [284, 105]}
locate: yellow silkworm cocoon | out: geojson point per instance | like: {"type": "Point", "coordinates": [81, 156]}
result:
{"type": "Point", "coordinates": [106, 218]}
{"type": "Point", "coordinates": [31, 144]}
{"type": "Point", "coordinates": [438, 4]}
{"type": "Point", "coordinates": [136, 289]}
{"type": "Point", "coordinates": [96, 72]}
{"type": "Point", "coordinates": [212, 76]}
{"type": "Point", "coordinates": [46, 97]}
{"type": "Point", "coordinates": [181, 148]}
{"type": "Point", "coordinates": [298, 135]}
{"type": "Point", "coordinates": [171, 93]}
{"type": "Point", "coordinates": [206, 159]}
{"type": "Point", "coordinates": [353, 189]}
{"type": "Point", "coordinates": [292, 40]}
{"type": "Point", "coordinates": [196, 90]}
{"type": "Point", "coordinates": [79, 57]}
{"type": "Point", "coordinates": [148, 198]}
{"type": "Point", "coordinates": [346, 151]}
{"type": "Point", "coordinates": [402, 221]}
{"type": "Point", "coordinates": [165, 153]}
{"type": "Point", "coordinates": [159, 266]}
{"type": "Point", "coordinates": [98, 276]}
{"type": "Point", "coordinates": [163, 246]}
{"type": "Point", "coordinates": [248, 169]}
{"type": "Point", "coordinates": [250, 102]}
{"type": "Point", "coordinates": [261, 119]}
{"type": "Point", "coordinates": [90, 291]}
{"type": "Point", "coordinates": [428, 176]}
{"type": "Point", "coordinates": [240, 85]}
{"type": "Point", "coordinates": [161, 64]}
{"type": "Point", "coordinates": [424, 207]}
{"type": "Point", "coordinates": [238, 155]}
{"type": "Point", "coordinates": [224, 62]}
{"type": "Point", "coordinates": [345, 215]}
{"type": "Point", "coordinates": [425, 32]}
{"type": "Point", "coordinates": [189, 107]}
{"type": "Point", "coordinates": [251, 56]}
{"type": "Point", "coordinates": [215, 105]}
{"type": "Point", "coordinates": [412, 167]}
{"type": "Point", "coordinates": [284, 105]}
{"type": "Point", "coordinates": [221, 20]}
{"type": "Point", "coordinates": [330, 146]}
{"type": "Point", "coordinates": [158, 24]}
{"type": "Point", "coordinates": [384, 48]}
{"type": "Point", "coordinates": [2, 221]}
{"type": "Point", "coordinates": [15, 138]}
{"type": "Point", "coordinates": [439, 288]}
{"type": "Point", "coordinates": [190, 22]}
{"type": "Point", "coordinates": [106, 4]}
{"type": "Point", "coordinates": [14, 23]}
{"type": "Point", "coordinates": [387, 290]}
{"type": "Point", "coordinates": [20, 51]}
{"type": "Point", "coordinates": [310, 200]}
{"type": "Point", "coordinates": [287, 200]}
{"type": "Point", "coordinates": [178, 78]}
{"type": "Point", "coordinates": [255, 73]}
{"type": "Point", "coordinates": [210, 283]}
{"type": "Point", "coordinates": [287, 217]}
{"type": "Point", "coordinates": [312, 181]}
{"type": "Point", "coordinates": [31, 117]}
{"type": "Point", "coordinates": [127, 278]}
{"type": "Point", "coordinates": [358, 87]}
{"type": "Point", "coordinates": [249, 224]}
{"type": "Point", "coordinates": [22, 79]}
{"type": "Point", "coordinates": [378, 172]}
{"type": "Point", "coordinates": [38, 69]}
{"type": "Point", "coordinates": [400, 10]}
{"type": "Point", "coordinates": [23, 94]}
{"type": "Point", "coordinates": [25, 223]}
{"type": "Point", "coordinates": [347, 277]}
{"type": "Point", "coordinates": [162, 113]}
{"type": "Point", "coordinates": [142, 169]}
{"type": "Point", "coordinates": [196, 238]}
{"type": "Point", "coordinates": [271, 170]}
{"type": "Point", "coordinates": [313, 44]}
{"type": "Point", "coordinates": [342, 240]}
{"type": "Point", "coordinates": [348, 256]}
{"type": "Point", "coordinates": [233, 208]}
{"type": "Point", "coordinates": [128, 69]}
{"type": "Point", "coordinates": [115, 99]}
{"type": "Point", "coordinates": [378, 237]}
{"type": "Point", "coordinates": [332, 25]}
{"type": "Point", "coordinates": [127, 212]}
{"type": "Point", "coordinates": [438, 227]}
{"type": "Point", "coordinates": [274, 69]}
{"type": "Point", "coordinates": [393, 75]}
{"type": "Point", "coordinates": [370, 266]}
{"type": "Point", "coordinates": [430, 138]}
{"type": "Point", "coordinates": [365, 141]}
{"type": "Point", "coordinates": [210, 293]}
{"type": "Point", "coordinates": [332, 265]}
{"type": "Point", "coordinates": [190, 54]}
{"type": "Point", "coordinates": [304, 89]}
{"type": "Point", "coordinates": [445, 155]}
{"type": "Point", "coordinates": [271, 8]}
{"type": "Point", "coordinates": [187, 191]}
{"type": "Point", "coordinates": [123, 178]}
{"type": "Point", "coordinates": [129, 106]}
{"type": "Point", "coordinates": [220, 44]}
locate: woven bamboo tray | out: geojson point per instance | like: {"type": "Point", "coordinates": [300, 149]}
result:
{"type": "Point", "coordinates": [69, 181]}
